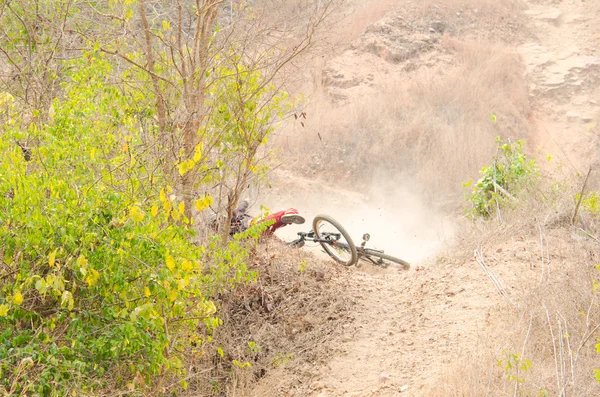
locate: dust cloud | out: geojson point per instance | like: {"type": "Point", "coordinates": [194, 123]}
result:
{"type": "Point", "coordinates": [396, 218]}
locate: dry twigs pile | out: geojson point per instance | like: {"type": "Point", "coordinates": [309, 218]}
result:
{"type": "Point", "coordinates": [283, 320]}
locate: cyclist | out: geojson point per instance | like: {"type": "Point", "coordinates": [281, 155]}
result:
{"type": "Point", "coordinates": [281, 218]}
{"type": "Point", "coordinates": [240, 220]}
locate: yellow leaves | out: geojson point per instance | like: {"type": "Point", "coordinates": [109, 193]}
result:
{"type": "Point", "coordinates": [167, 206]}
{"type": "Point", "coordinates": [176, 215]}
{"type": "Point", "coordinates": [51, 259]}
{"type": "Point", "coordinates": [198, 152]}
{"type": "Point", "coordinates": [166, 25]}
{"type": "Point", "coordinates": [6, 98]}
{"type": "Point", "coordinates": [90, 274]}
{"type": "Point", "coordinates": [204, 203]}
{"type": "Point", "coordinates": [154, 211]}
{"type": "Point", "coordinates": [187, 265]}
{"type": "Point", "coordinates": [18, 298]}
{"type": "Point", "coordinates": [128, 14]}
{"type": "Point", "coordinates": [3, 310]}
{"type": "Point", "coordinates": [136, 214]}
{"type": "Point", "coordinates": [92, 277]}
{"type": "Point", "coordinates": [212, 309]}
{"type": "Point", "coordinates": [182, 283]}
{"type": "Point", "coordinates": [81, 262]}
{"type": "Point", "coordinates": [173, 295]}
{"type": "Point", "coordinates": [93, 154]}
{"type": "Point", "coordinates": [125, 147]}
{"type": "Point", "coordinates": [170, 262]}
{"type": "Point", "coordinates": [186, 166]}
{"type": "Point", "coordinates": [182, 208]}
{"type": "Point", "coordinates": [67, 300]}
{"type": "Point", "coordinates": [147, 292]}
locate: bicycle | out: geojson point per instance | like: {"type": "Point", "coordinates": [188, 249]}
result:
{"type": "Point", "coordinates": [338, 244]}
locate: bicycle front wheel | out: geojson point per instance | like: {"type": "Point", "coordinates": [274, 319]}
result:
{"type": "Point", "coordinates": [335, 240]}
{"type": "Point", "coordinates": [381, 259]}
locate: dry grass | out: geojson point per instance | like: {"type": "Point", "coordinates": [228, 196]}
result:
{"type": "Point", "coordinates": [438, 132]}
{"type": "Point", "coordinates": [549, 268]}
{"type": "Point", "coordinates": [283, 320]}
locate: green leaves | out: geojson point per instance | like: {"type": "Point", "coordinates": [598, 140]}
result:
{"type": "Point", "coordinates": [109, 282]}
{"type": "Point", "coordinates": [510, 173]}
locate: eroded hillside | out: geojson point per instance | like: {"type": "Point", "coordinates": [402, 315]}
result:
{"type": "Point", "coordinates": [401, 115]}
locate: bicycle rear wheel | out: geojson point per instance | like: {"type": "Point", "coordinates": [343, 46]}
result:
{"type": "Point", "coordinates": [341, 249]}
{"type": "Point", "coordinates": [384, 260]}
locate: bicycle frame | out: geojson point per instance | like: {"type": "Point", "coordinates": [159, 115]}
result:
{"type": "Point", "coordinates": [312, 237]}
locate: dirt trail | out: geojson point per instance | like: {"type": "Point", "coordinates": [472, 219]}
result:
{"type": "Point", "coordinates": [409, 325]}
{"type": "Point", "coordinates": [564, 69]}
{"type": "Point", "coordinates": [407, 328]}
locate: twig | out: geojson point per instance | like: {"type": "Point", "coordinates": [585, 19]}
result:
{"type": "Point", "coordinates": [495, 280]}
{"type": "Point", "coordinates": [505, 192]}
{"type": "Point", "coordinates": [527, 336]}
{"type": "Point", "coordinates": [568, 338]}
{"type": "Point", "coordinates": [561, 350]}
{"type": "Point", "coordinates": [590, 235]}
{"type": "Point", "coordinates": [581, 196]}
{"type": "Point", "coordinates": [542, 247]}
{"type": "Point", "coordinates": [554, 346]}
{"type": "Point", "coordinates": [586, 338]}
{"type": "Point", "coordinates": [523, 351]}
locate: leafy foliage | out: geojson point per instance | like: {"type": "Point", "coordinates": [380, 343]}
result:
{"type": "Point", "coordinates": [98, 271]}
{"type": "Point", "coordinates": [501, 182]}
{"type": "Point", "coordinates": [590, 202]}
{"type": "Point", "coordinates": [110, 147]}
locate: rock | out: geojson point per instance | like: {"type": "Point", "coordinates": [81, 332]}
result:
{"type": "Point", "coordinates": [384, 376]}
{"type": "Point", "coordinates": [318, 385]}
{"type": "Point", "coordinates": [403, 388]}
{"type": "Point", "coordinates": [573, 116]}
{"type": "Point", "coordinates": [547, 14]}
{"type": "Point", "coordinates": [438, 26]}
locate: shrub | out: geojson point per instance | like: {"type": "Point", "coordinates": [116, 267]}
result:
{"type": "Point", "coordinates": [98, 274]}
{"type": "Point", "coordinates": [510, 172]}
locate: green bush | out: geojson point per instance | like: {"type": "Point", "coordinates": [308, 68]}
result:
{"type": "Point", "coordinates": [98, 275]}
{"type": "Point", "coordinates": [501, 182]}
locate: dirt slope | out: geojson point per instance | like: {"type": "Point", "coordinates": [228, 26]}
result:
{"type": "Point", "coordinates": [564, 69]}
{"type": "Point", "coordinates": [408, 326]}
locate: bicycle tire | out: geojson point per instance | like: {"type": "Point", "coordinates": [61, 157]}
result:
{"type": "Point", "coordinates": [370, 252]}
{"type": "Point", "coordinates": [328, 248]}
